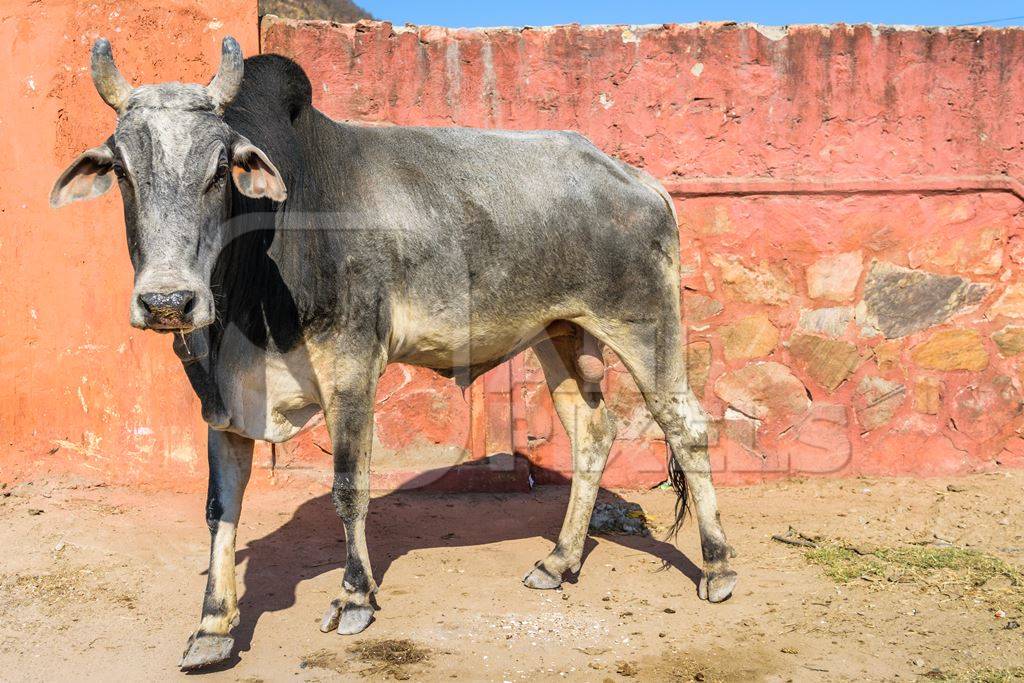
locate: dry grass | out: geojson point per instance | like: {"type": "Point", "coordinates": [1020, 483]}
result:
{"type": "Point", "coordinates": [1014, 675]}
{"type": "Point", "coordinates": [324, 659]}
{"type": "Point", "coordinates": [389, 657]}
{"type": "Point", "coordinates": [53, 591]}
{"type": "Point", "coordinates": [50, 589]}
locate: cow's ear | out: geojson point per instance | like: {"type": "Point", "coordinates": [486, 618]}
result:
{"type": "Point", "coordinates": [254, 175]}
{"type": "Point", "coordinates": [88, 176]}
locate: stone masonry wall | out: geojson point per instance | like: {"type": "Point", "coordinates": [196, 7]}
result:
{"type": "Point", "coordinates": [849, 212]}
{"type": "Point", "coordinates": [851, 227]}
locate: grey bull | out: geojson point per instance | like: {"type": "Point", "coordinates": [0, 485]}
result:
{"type": "Point", "coordinates": [292, 257]}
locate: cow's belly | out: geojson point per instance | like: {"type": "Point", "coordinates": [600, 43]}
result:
{"type": "Point", "coordinates": [266, 396]}
{"type": "Point", "coordinates": [445, 343]}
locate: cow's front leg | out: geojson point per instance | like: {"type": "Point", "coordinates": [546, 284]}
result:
{"type": "Point", "coordinates": [350, 422]}
{"type": "Point", "coordinates": [230, 458]}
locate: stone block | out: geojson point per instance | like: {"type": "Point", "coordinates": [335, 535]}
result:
{"type": "Point", "coordinates": [828, 361]}
{"type": "Point", "coordinates": [876, 401]}
{"type": "Point", "coordinates": [749, 337]}
{"type": "Point", "coordinates": [952, 350]}
{"type": "Point", "coordinates": [900, 301]}
{"type": "Point", "coordinates": [835, 277]}
{"type": "Point", "coordinates": [764, 284]}
{"type": "Point", "coordinates": [764, 390]}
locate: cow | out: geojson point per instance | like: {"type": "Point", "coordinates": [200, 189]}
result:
{"type": "Point", "coordinates": [293, 257]}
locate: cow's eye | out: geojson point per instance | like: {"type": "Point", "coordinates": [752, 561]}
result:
{"type": "Point", "coordinates": [119, 171]}
{"type": "Point", "coordinates": [218, 176]}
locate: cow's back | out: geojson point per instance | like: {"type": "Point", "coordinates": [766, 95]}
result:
{"type": "Point", "coordinates": [490, 235]}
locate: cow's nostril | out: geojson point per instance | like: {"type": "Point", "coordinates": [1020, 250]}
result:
{"type": "Point", "coordinates": [183, 301]}
{"type": "Point", "coordinates": [174, 304]}
{"type": "Point", "coordinates": [150, 301]}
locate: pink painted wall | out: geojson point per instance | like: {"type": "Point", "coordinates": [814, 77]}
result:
{"type": "Point", "coordinates": [795, 344]}
{"type": "Point", "coordinates": [873, 329]}
{"type": "Point", "coordinates": [81, 392]}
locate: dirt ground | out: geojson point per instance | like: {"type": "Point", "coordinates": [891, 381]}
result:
{"type": "Point", "coordinates": [102, 583]}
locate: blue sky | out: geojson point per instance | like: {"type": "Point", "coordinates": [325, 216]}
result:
{"type": "Point", "coordinates": [538, 12]}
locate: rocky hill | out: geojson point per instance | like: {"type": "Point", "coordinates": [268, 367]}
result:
{"type": "Point", "coordinates": [332, 10]}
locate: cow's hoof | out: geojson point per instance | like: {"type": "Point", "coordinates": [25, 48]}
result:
{"type": "Point", "coordinates": [347, 619]}
{"type": "Point", "coordinates": [718, 586]}
{"type": "Point", "coordinates": [540, 578]}
{"type": "Point", "coordinates": [206, 650]}
{"type": "Point", "coordinates": [354, 618]}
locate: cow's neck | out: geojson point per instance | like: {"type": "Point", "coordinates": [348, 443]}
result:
{"type": "Point", "coordinates": [252, 294]}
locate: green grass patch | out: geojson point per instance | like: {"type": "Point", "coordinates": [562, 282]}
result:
{"type": "Point", "coordinates": [912, 564]}
{"type": "Point", "coordinates": [841, 564]}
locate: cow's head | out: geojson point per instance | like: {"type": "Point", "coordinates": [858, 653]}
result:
{"type": "Point", "coordinates": [172, 155]}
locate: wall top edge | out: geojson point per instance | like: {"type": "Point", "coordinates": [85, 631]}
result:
{"type": "Point", "coordinates": [770, 32]}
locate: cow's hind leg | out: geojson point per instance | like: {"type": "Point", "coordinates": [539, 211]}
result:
{"type": "Point", "coordinates": [581, 409]}
{"type": "Point", "coordinates": [350, 422]}
{"type": "Point", "coordinates": [653, 353]}
{"type": "Point", "coordinates": [230, 458]}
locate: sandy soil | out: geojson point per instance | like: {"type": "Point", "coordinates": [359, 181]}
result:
{"type": "Point", "coordinates": [102, 583]}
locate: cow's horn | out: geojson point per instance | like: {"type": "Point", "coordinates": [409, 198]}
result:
{"type": "Point", "coordinates": [225, 84]}
{"type": "Point", "coordinates": [110, 84]}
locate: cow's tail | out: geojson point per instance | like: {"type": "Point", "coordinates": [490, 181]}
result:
{"type": "Point", "coordinates": [676, 473]}
{"type": "Point", "coordinates": [677, 479]}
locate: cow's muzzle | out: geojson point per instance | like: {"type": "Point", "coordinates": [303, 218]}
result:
{"type": "Point", "coordinates": [180, 310]}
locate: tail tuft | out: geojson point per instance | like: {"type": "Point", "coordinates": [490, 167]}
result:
{"type": "Point", "coordinates": [677, 478]}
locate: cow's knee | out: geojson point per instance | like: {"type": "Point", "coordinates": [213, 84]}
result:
{"type": "Point", "coordinates": [214, 512]}
{"type": "Point", "coordinates": [686, 428]}
{"type": "Point", "coordinates": [349, 500]}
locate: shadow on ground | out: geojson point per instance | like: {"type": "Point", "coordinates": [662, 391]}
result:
{"type": "Point", "coordinates": [312, 541]}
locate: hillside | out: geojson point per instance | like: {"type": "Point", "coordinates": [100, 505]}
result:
{"type": "Point", "coordinates": [332, 10]}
